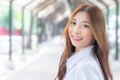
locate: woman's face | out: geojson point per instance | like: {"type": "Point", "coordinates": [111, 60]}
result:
{"type": "Point", "coordinates": [79, 31]}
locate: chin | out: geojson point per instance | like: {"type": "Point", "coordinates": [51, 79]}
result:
{"type": "Point", "coordinates": [75, 44]}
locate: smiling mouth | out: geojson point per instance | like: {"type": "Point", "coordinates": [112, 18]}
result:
{"type": "Point", "coordinates": [77, 38]}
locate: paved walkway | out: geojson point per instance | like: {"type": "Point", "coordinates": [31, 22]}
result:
{"type": "Point", "coordinates": [115, 67]}
{"type": "Point", "coordinates": [43, 64]}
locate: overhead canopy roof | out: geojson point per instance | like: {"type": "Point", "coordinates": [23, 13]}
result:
{"type": "Point", "coordinates": [57, 9]}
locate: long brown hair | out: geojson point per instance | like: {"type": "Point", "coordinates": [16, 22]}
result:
{"type": "Point", "coordinates": [100, 44]}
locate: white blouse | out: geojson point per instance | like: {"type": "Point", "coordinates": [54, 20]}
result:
{"type": "Point", "coordinates": [83, 66]}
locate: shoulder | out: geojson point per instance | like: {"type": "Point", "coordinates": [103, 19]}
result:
{"type": "Point", "coordinates": [89, 71]}
{"type": "Point", "coordinates": [87, 67]}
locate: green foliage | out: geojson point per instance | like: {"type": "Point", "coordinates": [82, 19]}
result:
{"type": "Point", "coordinates": [17, 17]}
{"type": "Point", "coordinates": [27, 19]}
{"type": "Point", "coordinates": [4, 16]}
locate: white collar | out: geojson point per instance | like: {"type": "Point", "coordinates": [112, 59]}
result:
{"type": "Point", "coordinates": [71, 61]}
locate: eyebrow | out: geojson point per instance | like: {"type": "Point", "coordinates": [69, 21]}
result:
{"type": "Point", "coordinates": [85, 22]}
{"type": "Point", "coordinates": [82, 21]}
{"type": "Point", "coordinates": [73, 19]}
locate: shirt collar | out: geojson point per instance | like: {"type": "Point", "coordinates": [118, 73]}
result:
{"type": "Point", "coordinates": [71, 61]}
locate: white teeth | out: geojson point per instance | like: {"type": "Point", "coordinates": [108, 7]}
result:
{"type": "Point", "coordinates": [77, 37]}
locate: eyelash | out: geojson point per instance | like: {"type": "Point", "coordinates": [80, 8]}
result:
{"type": "Point", "coordinates": [74, 23]}
{"type": "Point", "coordinates": [85, 25]}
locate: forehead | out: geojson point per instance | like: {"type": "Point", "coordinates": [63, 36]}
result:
{"type": "Point", "coordinates": [81, 16]}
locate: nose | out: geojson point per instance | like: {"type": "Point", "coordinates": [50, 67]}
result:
{"type": "Point", "coordinates": [77, 29]}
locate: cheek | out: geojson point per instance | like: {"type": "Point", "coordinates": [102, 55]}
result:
{"type": "Point", "coordinates": [89, 35]}
{"type": "Point", "coordinates": [69, 30]}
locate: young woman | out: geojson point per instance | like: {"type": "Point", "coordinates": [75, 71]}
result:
{"type": "Point", "coordinates": [85, 56]}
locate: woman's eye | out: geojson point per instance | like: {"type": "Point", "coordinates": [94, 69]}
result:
{"type": "Point", "coordinates": [74, 23]}
{"type": "Point", "coordinates": [85, 26]}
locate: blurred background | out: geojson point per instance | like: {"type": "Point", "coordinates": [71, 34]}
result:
{"type": "Point", "coordinates": [30, 36]}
